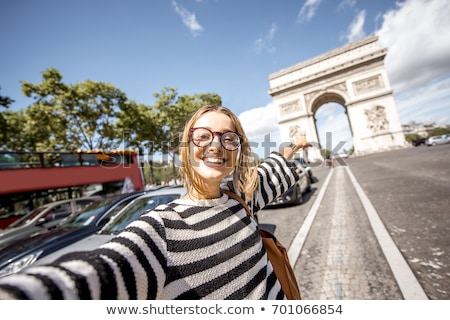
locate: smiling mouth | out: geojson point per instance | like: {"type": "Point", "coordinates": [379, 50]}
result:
{"type": "Point", "coordinates": [213, 160]}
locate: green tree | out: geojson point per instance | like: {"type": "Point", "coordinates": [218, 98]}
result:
{"type": "Point", "coordinates": [412, 136]}
{"type": "Point", "coordinates": [13, 134]}
{"type": "Point", "coordinates": [5, 102]}
{"type": "Point", "coordinates": [137, 125]}
{"type": "Point", "coordinates": [438, 131]}
{"type": "Point", "coordinates": [68, 117]}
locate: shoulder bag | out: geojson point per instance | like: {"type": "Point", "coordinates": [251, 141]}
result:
{"type": "Point", "coordinates": [277, 254]}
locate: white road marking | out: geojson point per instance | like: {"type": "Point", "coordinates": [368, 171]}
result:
{"type": "Point", "coordinates": [407, 282]}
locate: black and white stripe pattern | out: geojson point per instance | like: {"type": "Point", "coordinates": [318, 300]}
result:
{"type": "Point", "coordinates": [203, 249]}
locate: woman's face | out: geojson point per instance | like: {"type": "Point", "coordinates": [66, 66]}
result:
{"type": "Point", "coordinates": [213, 162]}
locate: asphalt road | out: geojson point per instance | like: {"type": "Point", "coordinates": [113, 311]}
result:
{"type": "Point", "coordinates": [341, 257]}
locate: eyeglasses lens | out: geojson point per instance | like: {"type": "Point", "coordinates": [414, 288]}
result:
{"type": "Point", "coordinates": [203, 137]}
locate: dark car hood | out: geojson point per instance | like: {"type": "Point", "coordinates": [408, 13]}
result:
{"type": "Point", "coordinates": [48, 242]}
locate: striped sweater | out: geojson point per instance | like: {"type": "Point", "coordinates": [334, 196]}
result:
{"type": "Point", "coordinates": [202, 249]}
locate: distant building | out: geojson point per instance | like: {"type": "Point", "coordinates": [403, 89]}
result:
{"type": "Point", "coordinates": [422, 129]}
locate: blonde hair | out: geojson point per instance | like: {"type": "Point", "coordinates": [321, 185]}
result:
{"type": "Point", "coordinates": [245, 169]}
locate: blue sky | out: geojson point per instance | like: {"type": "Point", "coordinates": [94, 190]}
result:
{"type": "Point", "coordinates": [228, 47]}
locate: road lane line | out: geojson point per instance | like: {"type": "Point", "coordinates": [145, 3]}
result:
{"type": "Point", "coordinates": [333, 274]}
{"type": "Point", "coordinates": [407, 282]}
{"type": "Point", "coordinates": [299, 239]}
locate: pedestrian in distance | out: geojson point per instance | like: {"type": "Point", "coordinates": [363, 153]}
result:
{"type": "Point", "coordinates": [203, 246]}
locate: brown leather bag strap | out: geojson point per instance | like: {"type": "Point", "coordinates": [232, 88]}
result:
{"type": "Point", "coordinates": [236, 197]}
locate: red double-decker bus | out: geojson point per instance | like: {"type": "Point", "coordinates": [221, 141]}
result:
{"type": "Point", "coordinates": [30, 179]}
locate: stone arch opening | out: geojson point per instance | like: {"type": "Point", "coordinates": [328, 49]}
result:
{"type": "Point", "coordinates": [325, 98]}
{"type": "Point", "coordinates": [352, 76]}
{"type": "Point", "coordinates": [327, 140]}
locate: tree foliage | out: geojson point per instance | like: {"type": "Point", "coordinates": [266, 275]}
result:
{"type": "Point", "coordinates": [5, 102]}
{"type": "Point", "coordinates": [412, 136]}
{"type": "Point", "coordinates": [13, 134]}
{"type": "Point", "coordinates": [438, 131]}
{"type": "Point", "coordinates": [137, 126]}
{"type": "Point", "coordinates": [73, 116]}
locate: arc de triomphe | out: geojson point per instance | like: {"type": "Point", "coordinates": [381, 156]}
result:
{"type": "Point", "coordinates": [353, 76]}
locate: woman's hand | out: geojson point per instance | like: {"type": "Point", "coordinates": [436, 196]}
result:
{"type": "Point", "coordinates": [301, 143]}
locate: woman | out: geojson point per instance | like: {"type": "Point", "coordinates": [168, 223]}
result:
{"type": "Point", "coordinates": [204, 246]}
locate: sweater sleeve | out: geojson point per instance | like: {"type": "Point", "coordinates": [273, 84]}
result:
{"type": "Point", "coordinates": [130, 266]}
{"type": "Point", "coordinates": [276, 175]}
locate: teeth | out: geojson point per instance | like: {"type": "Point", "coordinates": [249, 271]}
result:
{"type": "Point", "coordinates": [214, 160]}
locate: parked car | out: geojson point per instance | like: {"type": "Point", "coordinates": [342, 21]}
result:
{"type": "Point", "coordinates": [418, 142]}
{"type": "Point", "coordinates": [433, 141]}
{"type": "Point", "coordinates": [22, 253]}
{"type": "Point", "coordinates": [343, 155]}
{"type": "Point", "coordinates": [43, 218]}
{"type": "Point", "coordinates": [304, 166]}
{"type": "Point", "coordinates": [122, 219]}
{"type": "Point", "coordinates": [294, 195]}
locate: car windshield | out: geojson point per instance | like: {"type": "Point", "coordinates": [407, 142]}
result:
{"type": "Point", "coordinates": [27, 218]}
{"type": "Point", "coordinates": [134, 210]}
{"type": "Point", "coordinates": [88, 215]}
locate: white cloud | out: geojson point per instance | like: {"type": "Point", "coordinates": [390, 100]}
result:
{"type": "Point", "coordinates": [427, 104]}
{"type": "Point", "coordinates": [265, 43]}
{"type": "Point", "coordinates": [308, 10]}
{"type": "Point", "coordinates": [260, 121]}
{"type": "Point", "coordinates": [261, 126]}
{"type": "Point", "coordinates": [417, 37]}
{"type": "Point", "coordinates": [356, 28]}
{"type": "Point", "coordinates": [189, 19]}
